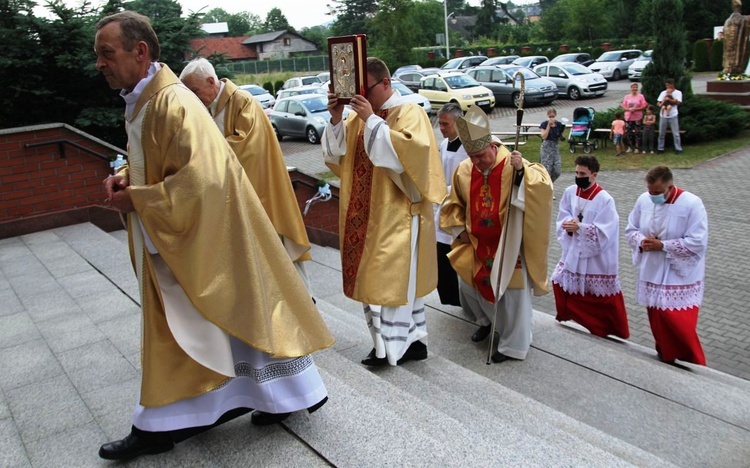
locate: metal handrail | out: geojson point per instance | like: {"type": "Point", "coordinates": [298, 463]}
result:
{"type": "Point", "coordinates": [61, 147]}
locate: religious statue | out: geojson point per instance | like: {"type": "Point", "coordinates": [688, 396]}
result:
{"type": "Point", "coordinates": [736, 31]}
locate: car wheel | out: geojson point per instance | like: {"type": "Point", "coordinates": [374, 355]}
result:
{"type": "Point", "coordinates": [312, 135]}
{"type": "Point", "coordinates": [616, 75]}
{"type": "Point", "coordinates": [279, 136]}
{"type": "Point", "coordinates": [514, 98]}
{"type": "Point", "coordinates": [574, 93]}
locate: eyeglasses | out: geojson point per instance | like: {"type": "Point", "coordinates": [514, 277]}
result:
{"type": "Point", "coordinates": [369, 88]}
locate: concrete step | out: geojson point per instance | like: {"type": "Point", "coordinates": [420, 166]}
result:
{"type": "Point", "coordinates": [500, 425]}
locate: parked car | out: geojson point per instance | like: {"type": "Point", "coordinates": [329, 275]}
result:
{"type": "Point", "coordinates": [324, 76]}
{"type": "Point", "coordinates": [573, 80]}
{"type": "Point", "coordinates": [411, 96]}
{"type": "Point", "coordinates": [499, 79]}
{"type": "Point", "coordinates": [411, 78]}
{"type": "Point", "coordinates": [531, 61]}
{"type": "Point", "coordinates": [636, 68]}
{"type": "Point", "coordinates": [260, 94]}
{"type": "Point", "coordinates": [614, 64]}
{"type": "Point", "coordinates": [456, 87]}
{"type": "Point", "coordinates": [580, 57]}
{"type": "Point", "coordinates": [406, 68]}
{"type": "Point", "coordinates": [504, 60]}
{"type": "Point", "coordinates": [309, 89]}
{"type": "Point", "coordinates": [462, 63]}
{"type": "Point", "coordinates": [298, 81]}
{"type": "Point", "coordinates": [303, 115]}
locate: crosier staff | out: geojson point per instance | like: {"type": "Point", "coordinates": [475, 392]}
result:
{"type": "Point", "coordinates": [519, 121]}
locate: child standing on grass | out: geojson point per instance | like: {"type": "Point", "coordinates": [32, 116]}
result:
{"type": "Point", "coordinates": [617, 131]}
{"type": "Point", "coordinates": [649, 127]}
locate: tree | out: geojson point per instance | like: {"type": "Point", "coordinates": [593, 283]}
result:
{"type": "Point", "coordinates": [394, 30]}
{"type": "Point", "coordinates": [318, 35]}
{"type": "Point", "coordinates": [352, 16]}
{"type": "Point", "coordinates": [486, 19]}
{"type": "Point", "coordinates": [276, 21]}
{"type": "Point", "coordinates": [431, 20]}
{"type": "Point", "coordinates": [173, 31]}
{"type": "Point", "coordinates": [669, 51]}
{"type": "Point", "coordinates": [244, 23]}
{"type": "Point", "coordinates": [215, 15]}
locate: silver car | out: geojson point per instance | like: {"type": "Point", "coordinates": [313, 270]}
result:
{"type": "Point", "coordinates": [614, 64]}
{"type": "Point", "coordinates": [499, 79]}
{"type": "Point", "coordinates": [304, 115]}
{"type": "Point", "coordinates": [411, 96]}
{"type": "Point", "coordinates": [573, 80]}
{"type": "Point", "coordinates": [260, 94]}
{"type": "Point", "coordinates": [636, 69]}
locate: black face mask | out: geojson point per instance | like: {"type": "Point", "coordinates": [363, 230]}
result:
{"type": "Point", "coordinates": [583, 182]}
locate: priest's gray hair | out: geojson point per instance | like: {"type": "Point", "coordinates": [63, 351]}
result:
{"type": "Point", "coordinates": [199, 67]}
{"type": "Point", "coordinates": [452, 109]}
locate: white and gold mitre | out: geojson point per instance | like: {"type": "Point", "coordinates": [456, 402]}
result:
{"type": "Point", "coordinates": [474, 130]}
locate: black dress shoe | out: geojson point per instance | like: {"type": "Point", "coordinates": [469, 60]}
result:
{"type": "Point", "coordinates": [373, 361]}
{"type": "Point", "coordinates": [498, 357]}
{"type": "Point", "coordinates": [137, 443]}
{"type": "Point", "coordinates": [261, 418]}
{"type": "Point", "coordinates": [417, 352]}
{"type": "Point", "coordinates": [481, 334]}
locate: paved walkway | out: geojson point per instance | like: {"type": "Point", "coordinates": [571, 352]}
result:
{"type": "Point", "coordinates": [724, 325]}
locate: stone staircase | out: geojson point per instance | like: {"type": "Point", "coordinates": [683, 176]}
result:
{"type": "Point", "coordinates": [577, 400]}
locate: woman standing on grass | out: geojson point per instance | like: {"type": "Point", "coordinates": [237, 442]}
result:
{"type": "Point", "coordinates": [634, 104]}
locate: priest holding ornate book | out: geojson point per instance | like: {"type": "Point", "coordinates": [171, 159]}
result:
{"type": "Point", "coordinates": [387, 158]}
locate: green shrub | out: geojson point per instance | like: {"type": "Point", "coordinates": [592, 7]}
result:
{"type": "Point", "coordinates": [703, 119]}
{"type": "Point", "coordinates": [717, 56]}
{"type": "Point", "coordinates": [277, 86]}
{"type": "Point", "coordinates": [700, 56]}
{"type": "Point", "coordinates": [268, 86]}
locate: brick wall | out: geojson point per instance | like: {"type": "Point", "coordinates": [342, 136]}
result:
{"type": "Point", "coordinates": [322, 219]}
{"type": "Point", "coordinates": [45, 187]}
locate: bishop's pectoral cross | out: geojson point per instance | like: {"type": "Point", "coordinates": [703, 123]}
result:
{"type": "Point", "coordinates": [580, 217]}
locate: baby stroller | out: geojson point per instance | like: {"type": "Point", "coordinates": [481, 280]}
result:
{"type": "Point", "coordinates": [583, 124]}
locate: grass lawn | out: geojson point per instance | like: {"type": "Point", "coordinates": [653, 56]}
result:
{"type": "Point", "coordinates": [692, 154]}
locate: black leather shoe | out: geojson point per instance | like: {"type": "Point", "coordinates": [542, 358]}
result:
{"type": "Point", "coordinates": [135, 444]}
{"type": "Point", "coordinates": [261, 418]}
{"type": "Point", "coordinates": [417, 352]}
{"type": "Point", "coordinates": [498, 357]}
{"type": "Point", "coordinates": [373, 361]}
{"type": "Point", "coordinates": [481, 334]}
{"type": "Point", "coordinates": [317, 405]}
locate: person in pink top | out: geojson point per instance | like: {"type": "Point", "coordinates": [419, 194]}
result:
{"type": "Point", "coordinates": [617, 131]}
{"type": "Point", "coordinates": [634, 104]}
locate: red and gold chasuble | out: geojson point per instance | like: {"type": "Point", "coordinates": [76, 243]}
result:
{"type": "Point", "coordinates": [486, 224]}
{"type": "Point", "coordinates": [358, 212]}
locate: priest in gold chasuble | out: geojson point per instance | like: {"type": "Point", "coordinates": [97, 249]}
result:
{"type": "Point", "coordinates": [250, 135]}
{"type": "Point", "coordinates": [387, 158]}
{"type": "Point", "coordinates": [495, 272]}
{"type": "Point", "coordinates": [227, 323]}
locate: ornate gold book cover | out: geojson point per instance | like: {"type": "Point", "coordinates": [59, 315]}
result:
{"type": "Point", "coordinates": [347, 57]}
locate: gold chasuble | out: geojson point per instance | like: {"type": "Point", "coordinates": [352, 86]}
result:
{"type": "Point", "coordinates": [472, 198]}
{"type": "Point", "coordinates": [375, 215]}
{"type": "Point", "coordinates": [250, 135]}
{"type": "Point", "coordinates": [203, 217]}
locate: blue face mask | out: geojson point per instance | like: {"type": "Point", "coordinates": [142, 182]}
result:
{"type": "Point", "coordinates": [658, 199]}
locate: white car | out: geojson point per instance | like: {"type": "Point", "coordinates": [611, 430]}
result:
{"type": "Point", "coordinates": [263, 97]}
{"type": "Point", "coordinates": [411, 96]}
{"type": "Point", "coordinates": [614, 64]}
{"type": "Point", "coordinates": [309, 89]}
{"type": "Point", "coordinates": [636, 69]}
{"type": "Point", "coordinates": [572, 79]}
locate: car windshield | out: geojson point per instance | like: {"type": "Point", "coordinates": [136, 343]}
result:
{"type": "Point", "coordinates": [461, 81]}
{"type": "Point", "coordinates": [575, 69]}
{"type": "Point", "coordinates": [565, 58]}
{"type": "Point", "coordinates": [401, 88]}
{"type": "Point", "coordinates": [452, 63]}
{"type": "Point", "coordinates": [527, 74]}
{"type": "Point", "coordinates": [646, 56]}
{"type": "Point", "coordinates": [316, 104]}
{"type": "Point", "coordinates": [255, 90]}
{"type": "Point", "coordinates": [609, 57]}
{"type": "Point", "coordinates": [311, 80]}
